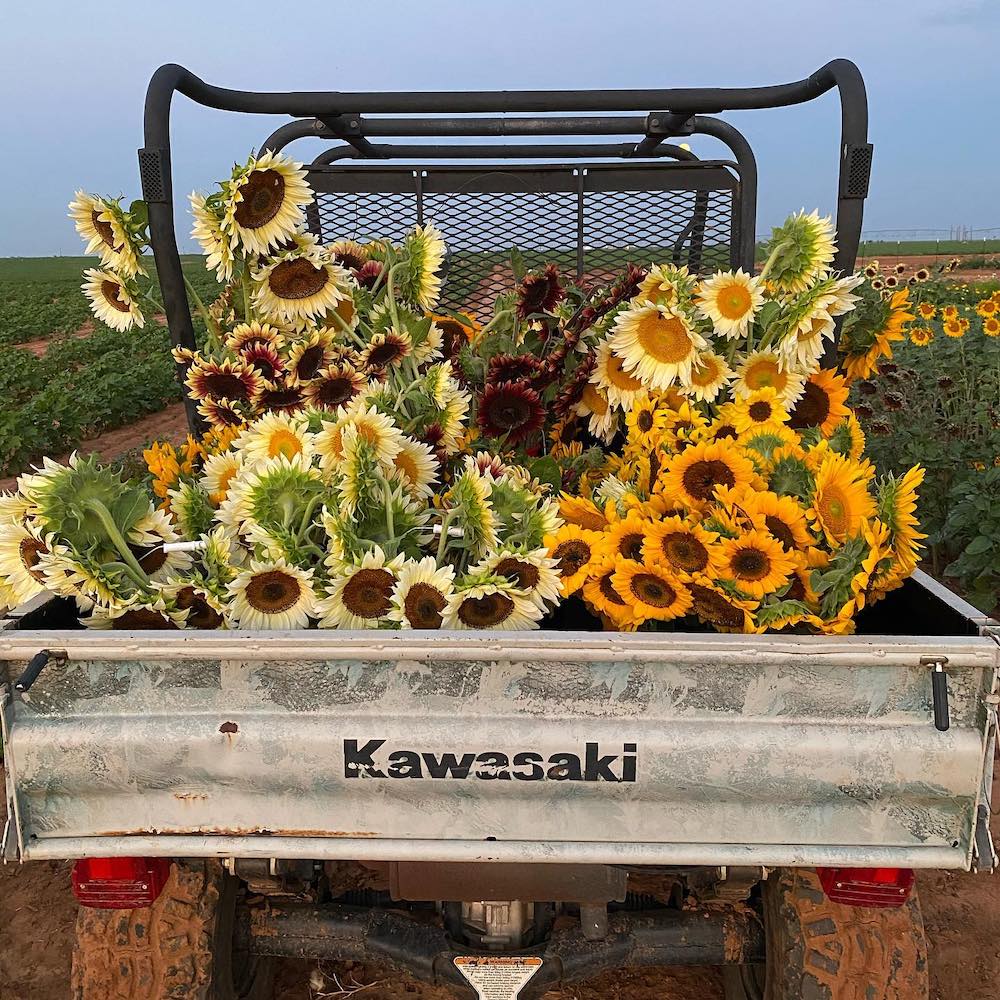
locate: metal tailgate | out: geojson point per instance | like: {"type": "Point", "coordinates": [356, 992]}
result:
{"type": "Point", "coordinates": [650, 748]}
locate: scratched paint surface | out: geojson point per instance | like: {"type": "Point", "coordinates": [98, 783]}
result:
{"type": "Point", "coordinates": [770, 749]}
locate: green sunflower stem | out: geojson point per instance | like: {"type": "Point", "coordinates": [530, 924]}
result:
{"type": "Point", "coordinates": [245, 283]}
{"type": "Point", "coordinates": [769, 263]}
{"type": "Point", "coordinates": [117, 539]}
{"type": "Point", "coordinates": [390, 293]}
{"type": "Point", "coordinates": [345, 329]}
{"type": "Point", "coordinates": [214, 336]}
{"type": "Point", "coordinates": [443, 543]}
{"type": "Point", "coordinates": [389, 515]}
{"type": "Point", "coordinates": [493, 322]}
{"type": "Point", "coordinates": [307, 517]}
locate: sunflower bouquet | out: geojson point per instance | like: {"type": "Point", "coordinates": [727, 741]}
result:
{"type": "Point", "coordinates": [305, 519]}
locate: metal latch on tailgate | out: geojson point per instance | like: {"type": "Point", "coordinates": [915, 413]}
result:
{"type": "Point", "coordinates": [939, 691]}
{"type": "Point", "coordinates": [36, 665]}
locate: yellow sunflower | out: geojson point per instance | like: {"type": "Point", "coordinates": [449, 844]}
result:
{"type": "Point", "coordinates": [756, 562]}
{"type": "Point", "coordinates": [991, 326]}
{"type": "Point", "coordinates": [953, 328]}
{"type": "Point", "coordinates": [823, 402]}
{"type": "Point", "coordinates": [897, 504]}
{"type": "Point", "coordinates": [624, 537]}
{"type": "Point", "coordinates": [657, 344]}
{"type": "Point", "coordinates": [921, 336]}
{"type": "Point", "coordinates": [723, 611]}
{"type": "Point", "coordinates": [582, 512]}
{"type": "Point", "coordinates": [604, 600]}
{"type": "Point", "coordinates": [574, 550]}
{"type": "Point", "coordinates": [841, 503]}
{"type": "Point", "coordinates": [688, 548]}
{"type": "Point", "coordinates": [650, 591]}
{"type": "Point", "coordinates": [949, 312]}
{"type": "Point", "coordinates": [926, 310]}
{"type": "Point", "coordinates": [781, 516]}
{"type": "Point", "coordinates": [646, 421]}
{"type": "Point", "coordinates": [760, 408]}
{"type": "Point", "coordinates": [610, 377]}
{"type": "Point", "coordinates": [692, 476]}
{"type": "Point", "coordinates": [860, 366]}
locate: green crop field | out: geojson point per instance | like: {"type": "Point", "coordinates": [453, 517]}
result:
{"type": "Point", "coordinates": [75, 387]}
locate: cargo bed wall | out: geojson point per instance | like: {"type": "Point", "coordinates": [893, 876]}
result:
{"type": "Point", "coordinates": [666, 749]}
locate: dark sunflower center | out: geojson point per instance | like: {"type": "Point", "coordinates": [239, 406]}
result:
{"type": "Point", "coordinates": [150, 557]}
{"type": "Point", "coordinates": [368, 593]}
{"type": "Point", "coordinates": [751, 564]}
{"type": "Point", "coordinates": [346, 258]}
{"type": "Point", "coordinates": [29, 550]}
{"type": "Point", "coordinates": [385, 354]}
{"type": "Point", "coordinates": [201, 614]}
{"type": "Point", "coordinates": [685, 552]}
{"type": "Point", "coordinates": [508, 411]}
{"type": "Point", "coordinates": [111, 292]}
{"type": "Point", "coordinates": [263, 363]}
{"type": "Point", "coordinates": [797, 590]}
{"type": "Point", "coordinates": [760, 411]}
{"type": "Point", "coordinates": [780, 531]}
{"type": "Point", "coordinates": [309, 362]}
{"type": "Point", "coordinates": [263, 194]}
{"type": "Point", "coordinates": [423, 606]}
{"type": "Point", "coordinates": [484, 612]}
{"type": "Point", "coordinates": [608, 591]}
{"type": "Point", "coordinates": [653, 590]}
{"type": "Point", "coordinates": [141, 619]}
{"type": "Point", "coordinates": [644, 421]}
{"type": "Point", "coordinates": [224, 385]}
{"type": "Point", "coordinates": [812, 409]}
{"type": "Point", "coordinates": [105, 231]}
{"type": "Point", "coordinates": [630, 546]}
{"type": "Point", "coordinates": [287, 398]}
{"type": "Point", "coordinates": [725, 431]}
{"type": "Point", "coordinates": [335, 391]}
{"type": "Point", "coordinates": [521, 574]}
{"type": "Point", "coordinates": [273, 592]}
{"type": "Point", "coordinates": [701, 478]}
{"type": "Point", "coordinates": [225, 416]}
{"type": "Point", "coordinates": [714, 608]}
{"type": "Point", "coordinates": [571, 555]}
{"type": "Point", "coordinates": [297, 279]}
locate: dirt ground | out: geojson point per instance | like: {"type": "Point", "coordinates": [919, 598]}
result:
{"type": "Point", "coordinates": [37, 913]}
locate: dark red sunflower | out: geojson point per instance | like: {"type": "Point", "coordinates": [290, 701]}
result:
{"type": "Point", "coordinates": [512, 410]}
{"type": "Point", "coordinates": [265, 359]}
{"type": "Point", "coordinates": [539, 292]}
{"type": "Point", "coordinates": [570, 394]}
{"type": "Point", "coordinates": [511, 368]}
{"type": "Point", "coordinates": [368, 275]}
{"type": "Point", "coordinates": [334, 386]}
{"type": "Point", "coordinates": [282, 397]}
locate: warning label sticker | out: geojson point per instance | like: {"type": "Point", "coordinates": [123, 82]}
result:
{"type": "Point", "coordinates": [498, 977]}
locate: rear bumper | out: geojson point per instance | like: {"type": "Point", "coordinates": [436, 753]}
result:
{"type": "Point", "coordinates": [390, 938]}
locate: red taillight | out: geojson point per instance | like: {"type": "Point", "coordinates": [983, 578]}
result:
{"type": "Point", "coordinates": [872, 887]}
{"type": "Point", "coordinates": [119, 883]}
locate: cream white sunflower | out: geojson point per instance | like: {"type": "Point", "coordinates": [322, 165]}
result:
{"type": "Point", "coordinates": [21, 549]}
{"type": "Point", "coordinates": [730, 300]}
{"type": "Point", "coordinates": [657, 344]}
{"type": "Point", "coordinates": [272, 594]}
{"type": "Point", "coordinates": [264, 202]}
{"type": "Point", "coordinates": [360, 596]}
{"type": "Point", "coordinates": [767, 370]}
{"type": "Point", "coordinates": [421, 592]}
{"type": "Point", "coordinates": [534, 572]}
{"type": "Point", "coordinates": [218, 472]}
{"type": "Point", "coordinates": [375, 427]}
{"type": "Point", "coordinates": [275, 434]}
{"type": "Point", "coordinates": [138, 614]}
{"type": "Point", "coordinates": [207, 231]}
{"type": "Point", "coordinates": [602, 419]}
{"type": "Point", "coordinates": [710, 374]}
{"type": "Point", "coordinates": [297, 287]}
{"type": "Point", "coordinates": [800, 250]}
{"type": "Point", "coordinates": [491, 603]}
{"type": "Point", "coordinates": [111, 300]}
{"type": "Point", "coordinates": [617, 386]}
{"type": "Point", "coordinates": [101, 224]}
{"type": "Point", "coordinates": [147, 538]}
{"type": "Point", "coordinates": [416, 467]}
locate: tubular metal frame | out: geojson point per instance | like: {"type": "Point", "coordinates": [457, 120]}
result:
{"type": "Point", "coordinates": [337, 115]}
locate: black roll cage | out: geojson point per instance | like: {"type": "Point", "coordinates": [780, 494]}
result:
{"type": "Point", "coordinates": [333, 115]}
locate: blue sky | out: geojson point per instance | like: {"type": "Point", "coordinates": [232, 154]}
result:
{"type": "Point", "coordinates": [73, 78]}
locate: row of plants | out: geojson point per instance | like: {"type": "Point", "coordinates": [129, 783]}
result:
{"type": "Point", "coordinates": [936, 399]}
{"type": "Point", "coordinates": [662, 451]}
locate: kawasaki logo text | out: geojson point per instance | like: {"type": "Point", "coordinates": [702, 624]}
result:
{"type": "Point", "coordinates": [371, 760]}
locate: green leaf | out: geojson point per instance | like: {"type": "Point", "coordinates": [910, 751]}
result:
{"type": "Point", "coordinates": [546, 470]}
{"type": "Point", "coordinates": [980, 544]}
{"type": "Point", "coordinates": [517, 265]}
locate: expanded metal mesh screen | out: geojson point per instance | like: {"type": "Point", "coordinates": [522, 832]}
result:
{"type": "Point", "coordinates": [588, 221]}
